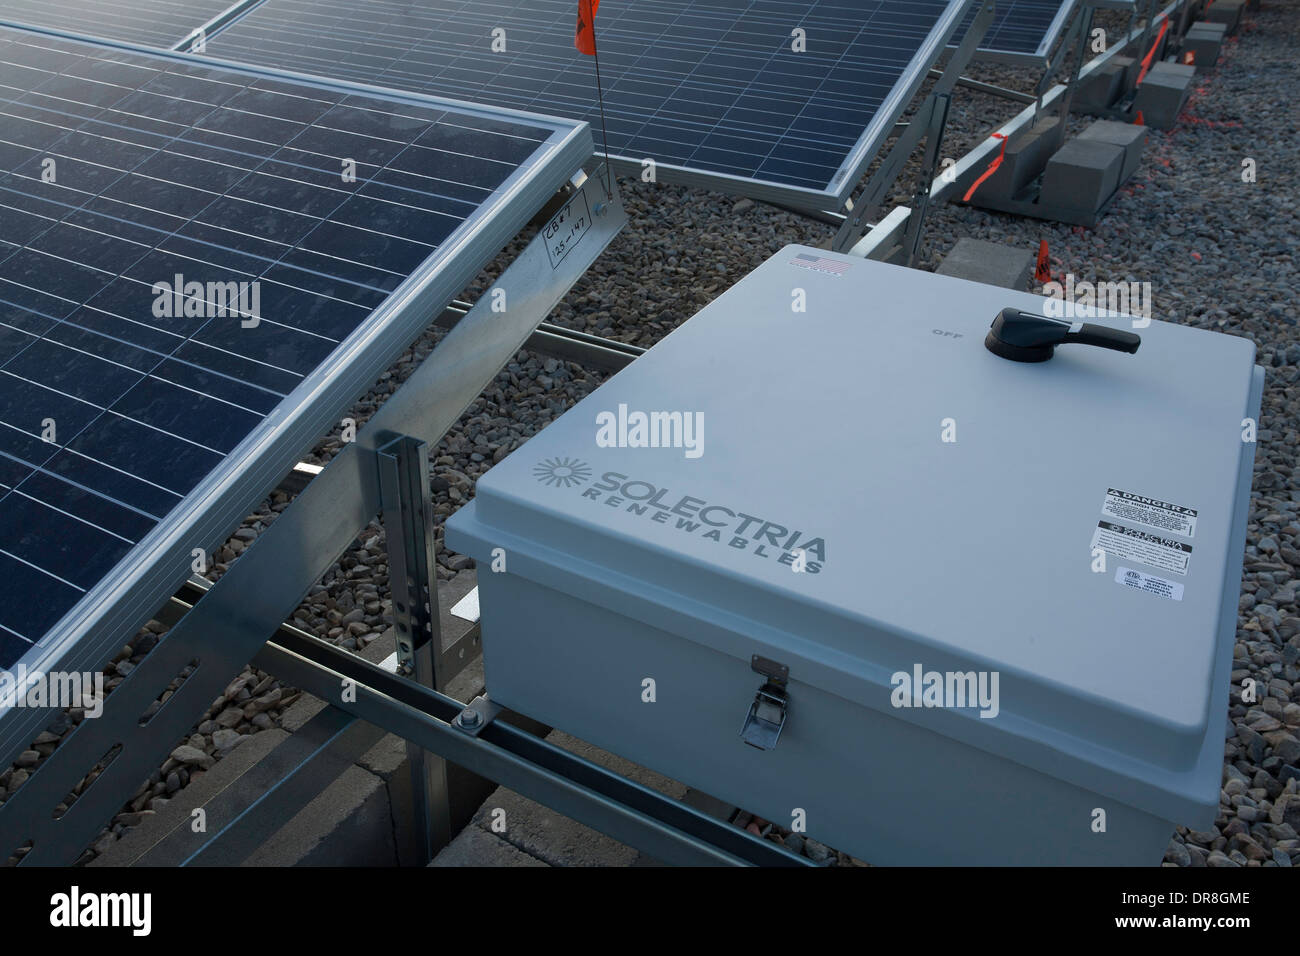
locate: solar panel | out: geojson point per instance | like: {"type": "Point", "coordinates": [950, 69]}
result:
{"type": "Point", "coordinates": [714, 92]}
{"type": "Point", "coordinates": [160, 23]}
{"type": "Point", "coordinates": [1023, 31]}
{"type": "Point", "coordinates": [145, 194]}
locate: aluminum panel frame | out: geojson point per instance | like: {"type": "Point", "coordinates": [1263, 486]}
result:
{"type": "Point", "coordinates": [225, 629]}
{"type": "Point", "coordinates": [87, 636]}
{"type": "Point", "coordinates": [1042, 55]}
{"type": "Point", "coordinates": [855, 164]}
{"type": "Point", "coordinates": [860, 157]}
{"type": "Point", "coordinates": [225, 18]}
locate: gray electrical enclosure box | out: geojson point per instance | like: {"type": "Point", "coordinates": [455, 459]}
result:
{"type": "Point", "coordinates": [823, 554]}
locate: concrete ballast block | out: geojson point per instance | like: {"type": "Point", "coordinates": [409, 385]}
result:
{"type": "Point", "coordinates": [348, 824]}
{"type": "Point", "coordinates": [476, 847]}
{"type": "Point", "coordinates": [1128, 136]}
{"type": "Point", "coordinates": [1227, 12]}
{"type": "Point", "coordinates": [1162, 94]}
{"type": "Point", "coordinates": [988, 262]}
{"type": "Point", "coordinates": [1082, 175]}
{"type": "Point", "coordinates": [1203, 45]}
{"type": "Point", "coordinates": [1132, 69]}
{"type": "Point", "coordinates": [1099, 89]}
{"type": "Point", "coordinates": [1209, 28]}
{"type": "Point", "coordinates": [1025, 155]}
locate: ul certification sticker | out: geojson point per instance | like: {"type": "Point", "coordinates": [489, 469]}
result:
{"type": "Point", "coordinates": [1139, 581]}
{"type": "Point", "coordinates": [1133, 544]}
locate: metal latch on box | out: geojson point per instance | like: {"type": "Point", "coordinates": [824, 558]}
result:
{"type": "Point", "coordinates": [767, 714]}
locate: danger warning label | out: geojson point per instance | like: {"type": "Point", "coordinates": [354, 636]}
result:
{"type": "Point", "coordinates": [1149, 512]}
{"type": "Point", "coordinates": [1149, 583]}
{"type": "Point", "coordinates": [1133, 544]}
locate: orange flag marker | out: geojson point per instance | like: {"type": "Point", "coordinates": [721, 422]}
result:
{"type": "Point", "coordinates": [584, 36]}
{"type": "Point", "coordinates": [1043, 270]}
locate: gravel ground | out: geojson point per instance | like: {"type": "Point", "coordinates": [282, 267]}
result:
{"type": "Point", "coordinates": [1220, 254]}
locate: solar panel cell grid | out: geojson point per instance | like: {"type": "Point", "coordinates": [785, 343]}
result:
{"type": "Point", "coordinates": [160, 23]}
{"type": "Point", "coordinates": [1021, 25]}
{"type": "Point", "coordinates": [124, 177]}
{"type": "Point", "coordinates": [1022, 30]}
{"type": "Point", "coordinates": [714, 86]}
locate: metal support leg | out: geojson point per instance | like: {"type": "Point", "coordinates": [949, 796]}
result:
{"type": "Point", "coordinates": [1085, 22]}
{"type": "Point", "coordinates": [1077, 38]}
{"type": "Point", "coordinates": [921, 198]}
{"type": "Point", "coordinates": [1148, 28]}
{"type": "Point", "coordinates": [406, 497]}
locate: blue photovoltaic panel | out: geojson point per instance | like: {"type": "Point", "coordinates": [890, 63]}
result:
{"type": "Point", "coordinates": [160, 23]}
{"type": "Point", "coordinates": [711, 88]}
{"type": "Point", "coordinates": [1022, 30]}
{"type": "Point", "coordinates": [1026, 31]}
{"type": "Point", "coordinates": [121, 170]}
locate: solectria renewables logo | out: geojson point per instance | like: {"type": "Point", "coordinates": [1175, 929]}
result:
{"type": "Point", "coordinates": [76, 909]}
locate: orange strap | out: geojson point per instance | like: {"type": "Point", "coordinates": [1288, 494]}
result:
{"type": "Point", "coordinates": [993, 166]}
{"type": "Point", "coordinates": [1146, 60]}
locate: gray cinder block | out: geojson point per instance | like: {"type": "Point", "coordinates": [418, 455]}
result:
{"type": "Point", "coordinates": [1227, 12]}
{"type": "Point", "coordinates": [1082, 175]}
{"type": "Point", "coordinates": [988, 262]}
{"type": "Point", "coordinates": [1203, 42]}
{"type": "Point", "coordinates": [1163, 93]}
{"type": "Point", "coordinates": [1128, 136]}
{"type": "Point", "coordinates": [1173, 69]}
{"type": "Point", "coordinates": [1023, 160]}
{"type": "Point", "coordinates": [1103, 86]}
{"type": "Point", "coordinates": [1132, 68]}
{"type": "Point", "coordinates": [476, 847]}
{"type": "Point", "coordinates": [348, 824]}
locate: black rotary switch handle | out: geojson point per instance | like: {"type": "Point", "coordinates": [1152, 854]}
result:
{"type": "Point", "coordinates": [1027, 337]}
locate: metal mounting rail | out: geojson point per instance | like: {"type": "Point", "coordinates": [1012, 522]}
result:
{"type": "Point", "coordinates": [304, 764]}
{"type": "Point", "coordinates": [666, 829]}
{"type": "Point", "coordinates": [559, 342]}
{"type": "Point", "coordinates": [981, 87]}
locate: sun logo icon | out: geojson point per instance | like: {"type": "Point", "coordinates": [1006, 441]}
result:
{"type": "Point", "coordinates": [564, 472]}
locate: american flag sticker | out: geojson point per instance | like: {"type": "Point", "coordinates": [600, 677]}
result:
{"type": "Point", "coordinates": [820, 264]}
